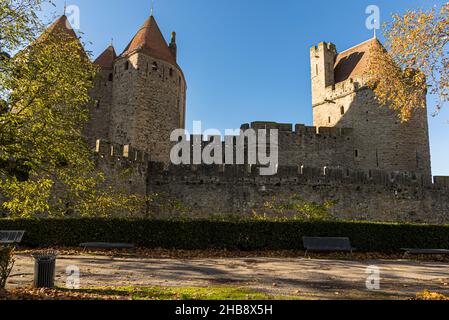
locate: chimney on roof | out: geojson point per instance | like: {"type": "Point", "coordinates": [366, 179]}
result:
{"type": "Point", "coordinates": [173, 48]}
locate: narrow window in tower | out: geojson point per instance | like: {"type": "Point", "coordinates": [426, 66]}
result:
{"type": "Point", "coordinates": [316, 67]}
{"type": "Point", "coordinates": [126, 65]}
{"type": "Point", "coordinates": [155, 66]}
{"type": "Point", "coordinates": [171, 72]}
{"type": "Point", "coordinates": [417, 159]}
{"type": "Point", "coordinates": [111, 77]}
{"type": "Point", "coordinates": [329, 119]}
{"type": "Point", "coordinates": [342, 110]}
{"type": "Point", "coordinates": [377, 157]}
{"type": "Point", "coordinates": [356, 153]}
{"type": "Point", "coordinates": [97, 104]}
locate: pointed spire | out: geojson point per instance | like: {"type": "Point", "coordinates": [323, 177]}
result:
{"type": "Point", "coordinates": [375, 29]}
{"type": "Point", "coordinates": [65, 8]}
{"type": "Point", "coordinates": [106, 59]}
{"type": "Point", "coordinates": [150, 40]}
{"type": "Point", "coordinates": [62, 24]}
{"type": "Point", "coordinates": [58, 29]}
{"type": "Point", "coordinates": [152, 7]}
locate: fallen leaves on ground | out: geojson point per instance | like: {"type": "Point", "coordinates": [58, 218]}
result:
{"type": "Point", "coordinates": [211, 254]}
{"type": "Point", "coordinates": [427, 295]}
{"type": "Point", "coordinates": [28, 293]}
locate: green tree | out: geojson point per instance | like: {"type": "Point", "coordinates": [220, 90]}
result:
{"type": "Point", "coordinates": [45, 165]}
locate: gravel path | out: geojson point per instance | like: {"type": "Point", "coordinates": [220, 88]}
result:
{"type": "Point", "coordinates": [310, 279]}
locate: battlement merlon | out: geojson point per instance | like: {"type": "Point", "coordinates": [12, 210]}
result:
{"type": "Point", "coordinates": [107, 149]}
{"type": "Point", "coordinates": [298, 129]}
{"type": "Point", "coordinates": [300, 174]}
{"type": "Point", "coordinates": [322, 46]}
{"type": "Point", "coordinates": [322, 61]}
{"type": "Point", "coordinates": [441, 182]}
{"type": "Point", "coordinates": [339, 90]}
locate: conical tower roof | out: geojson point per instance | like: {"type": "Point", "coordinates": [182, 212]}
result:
{"type": "Point", "coordinates": [62, 24]}
{"type": "Point", "coordinates": [106, 59]}
{"type": "Point", "coordinates": [59, 28]}
{"type": "Point", "coordinates": [150, 40]}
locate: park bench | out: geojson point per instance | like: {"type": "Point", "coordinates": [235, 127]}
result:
{"type": "Point", "coordinates": [425, 251]}
{"type": "Point", "coordinates": [11, 237]}
{"type": "Point", "coordinates": [106, 245]}
{"type": "Point", "coordinates": [327, 244]}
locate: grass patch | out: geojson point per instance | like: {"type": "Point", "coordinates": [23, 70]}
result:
{"type": "Point", "coordinates": [175, 293]}
{"type": "Point", "coordinates": [140, 293]}
{"type": "Point", "coordinates": [179, 293]}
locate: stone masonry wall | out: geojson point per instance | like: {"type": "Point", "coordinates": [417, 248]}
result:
{"type": "Point", "coordinates": [99, 124]}
{"type": "Point", "coordinates": [207, 190]}
{"type": "Point", "coordinates": [239, 190]}
{"type": "Point", "coordinates": [380, 139]}
{"type": "Point", "coordinates": [311, 146]}
{"type": "Point", "coordinates": [149, 103]}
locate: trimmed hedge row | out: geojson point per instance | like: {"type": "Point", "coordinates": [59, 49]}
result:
{"type": "Point", "coordinates": [238, 235]}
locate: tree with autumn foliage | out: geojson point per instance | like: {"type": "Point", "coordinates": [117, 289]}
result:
{"type": "Point", "coordinates": [414, 62]}
{"type": "Point", "coordinates": [46, 167]}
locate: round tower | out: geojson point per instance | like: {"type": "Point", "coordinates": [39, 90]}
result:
{"type": "Point", "coordinates": [99, 124]}
{"type": "Point", "coordinates": [149, 93]}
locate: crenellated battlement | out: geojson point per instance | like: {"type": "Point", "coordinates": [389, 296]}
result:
{"type": "Point", "coordinates": [300, 174]}
{"type": "Point", "coordinates": [298, 129]}
{"type": "Point", "coordinates": [106, 149]}
{"type": "Point", "coordinates": [288, 175]}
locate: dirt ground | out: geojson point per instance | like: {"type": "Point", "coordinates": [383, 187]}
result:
{"type": "Point", "coordinates": [299, 277]}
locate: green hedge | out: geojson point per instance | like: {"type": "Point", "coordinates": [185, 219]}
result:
{"type": "Point", "coordinates": [238, 235]}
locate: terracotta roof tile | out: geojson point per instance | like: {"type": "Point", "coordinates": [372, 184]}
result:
{"type": "Point", "coordinates": [106, 59]}
{"type": "Point", "coordinates": [355, 61]}
{"type": "Point", "coordinates": [150, 40]}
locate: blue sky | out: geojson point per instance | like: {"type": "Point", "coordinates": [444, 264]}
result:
{"type": "Point", "coordinates": [248, 60]}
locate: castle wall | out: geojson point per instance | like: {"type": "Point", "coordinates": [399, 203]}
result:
{"type": "Point", "coordinates": [125, 169]}
{"type": "Point", "coordinates": [241, 191]}
{"type": "Point", "coordinates": [149, 103]}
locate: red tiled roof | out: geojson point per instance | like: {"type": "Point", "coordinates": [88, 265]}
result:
{"type": "Point", "coordinates": [150, 40]}
{"type": "Point", "coordinates": [355, 61]}
{"type": "Point", "coordinates": [106, 59]}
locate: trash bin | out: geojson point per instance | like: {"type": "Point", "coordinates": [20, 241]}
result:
{"type": "Point", "coordinates": [44, 269]}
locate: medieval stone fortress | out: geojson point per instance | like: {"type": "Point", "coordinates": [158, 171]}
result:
{"type": "Point", "coordinates": [357, 154]}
